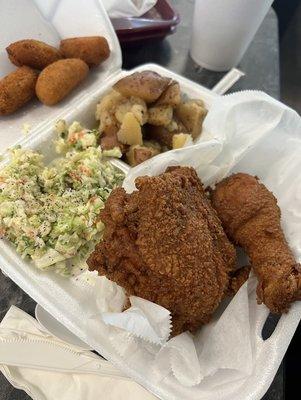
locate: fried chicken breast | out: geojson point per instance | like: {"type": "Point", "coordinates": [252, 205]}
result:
{"type": "Point", "coordinates": [251, 218]}
{"type": "Point", "coordinates": [165, 243]}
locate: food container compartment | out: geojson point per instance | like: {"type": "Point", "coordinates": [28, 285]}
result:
{"type": "Point", "coordinates": [68, 300]}
{"type": "Point", "coordinates": [71, 303]}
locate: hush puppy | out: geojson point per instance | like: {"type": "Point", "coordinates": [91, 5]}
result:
{"type": "Point", "coordinates": [93, 50]}
{"type": "Point", "coordinates": [33, 53]}
{"type": "Point", "coordinates": [16, 89]}
{"type": "Point", "coordinates": [58, 79]}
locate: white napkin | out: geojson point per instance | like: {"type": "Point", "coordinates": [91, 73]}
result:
{"type": "Point", "coordinates": [127, 8]}
{"type": "Point", "coordinates": [49, 385]}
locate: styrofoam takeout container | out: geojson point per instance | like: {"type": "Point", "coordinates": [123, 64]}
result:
{"type": "Point", "coordinates": [66, 299]}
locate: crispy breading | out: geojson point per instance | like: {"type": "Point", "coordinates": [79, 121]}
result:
{"type": "Point", "coordinates": [33, 53]}
{"type": "Point", "coordinates": [165, 243]}
{"type": "Point", "coordinates": [58, 79]}
{"type": "Point", "coordinates": [16, 89]}
{"type": "Point", "coordinates": [251, 217]}
{"type": "Point", "coordinates": [91, 49]}
{"type": "Point", "coordinates": [237, 279]}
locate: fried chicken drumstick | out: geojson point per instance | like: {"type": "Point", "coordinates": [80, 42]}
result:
{"type": "Point", "coordinates": [165, 243]}
{"type": "Point", "coordinates": [251, 218]}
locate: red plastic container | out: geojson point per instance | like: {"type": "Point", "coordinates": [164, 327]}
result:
{"type": "Point", "coordinates": [157, 23]}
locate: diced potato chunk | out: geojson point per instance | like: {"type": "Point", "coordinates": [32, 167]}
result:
{"type": "Point", "coordinates": [172, 126]}
{"type": "Point", "coordinates": [140, 112]}
{"type": "Point", "coordinates": [147, 85]}
{"type": "Point", "coordinates": [138, 154]}
{"type": "Point", "coordinates": [109, 140]}
{"type": "Point", "coordinates": [171, 96]}
{"type": "Point", "coordinates": [107, 103]}
{"type": "Point", "coordinates": [121, 110]}
{"type": "Point", "coordinates": [180, 140]}
{"type": "Point", "coordinates": [111, 130]}
{"type": "Point", "coordinates": [130, 130]}
{"type": "Point", "coordinates": [136, 106]}
{"type": "Point", "coordinates": [160, 134]}
{"type": "Point", "coordinates": [142, 154]}
{"type": "Point", "coordinates": [191, 114]}
{"type": "Point", "coordinates": [153, 145]}
{"type": "Point", "coordinates": [106, 108]}
{"type": "Point", "coordinates": [160, 115]}
{"type": "Point", "coordinates": [131, 155]}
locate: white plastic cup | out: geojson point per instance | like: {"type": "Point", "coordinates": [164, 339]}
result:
{"type": "Point", "coordinates": [223, 29]}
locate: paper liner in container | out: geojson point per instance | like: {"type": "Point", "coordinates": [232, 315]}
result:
{"type": "Point", "coordinates": [218, 337]}
{"type": "Point", "coordinates": [211, 351]}
{"type": "Point", "coordinates": [109, 296]}
{"type": "Point", "coordinates": [143, 319]}
{"type": "Point", "coordinates": [179, 356]}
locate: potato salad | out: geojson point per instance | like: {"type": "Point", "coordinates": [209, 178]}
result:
{"type": "Point", "coordinates": [51, 212]}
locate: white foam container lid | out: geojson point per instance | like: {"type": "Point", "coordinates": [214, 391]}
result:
{"type": "Point", "coordinates": [21, 19]}
{"type": "Point", "coordinates": [65, 299]}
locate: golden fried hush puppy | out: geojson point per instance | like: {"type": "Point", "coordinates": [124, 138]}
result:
{"type": "Point", "coordinates": [58, 79]}
{"type": "Point", "coordinates": [92, 49]}
{"type": "Point", "coordinates": [16, 89]}
{"type": "Point", "coordinates": [33, 53]}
